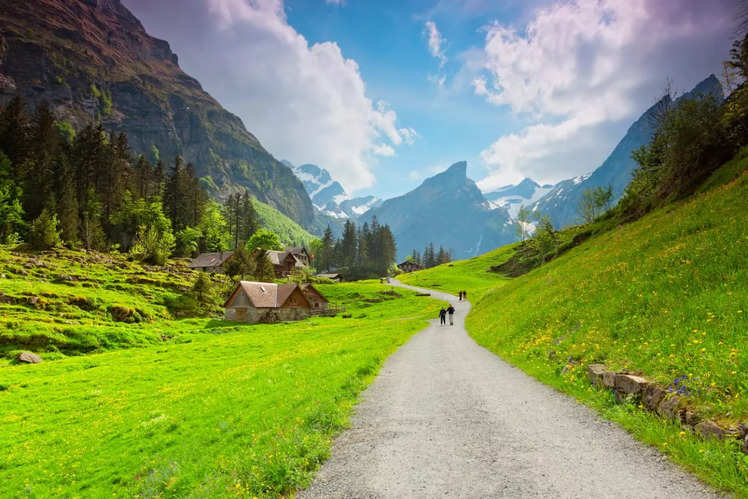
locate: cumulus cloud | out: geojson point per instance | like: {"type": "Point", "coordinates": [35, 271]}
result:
{"type": "Point", "coordinates": [436, 42]}
{"type": "Point", "coordinates": [580, 67]}
{"type": "Point", "coordinates": [305, 102]}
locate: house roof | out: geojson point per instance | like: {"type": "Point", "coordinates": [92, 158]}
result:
{"type": "Point", "coordinates": [210, 259]}
{"type": "Point", "coordinates": [409, 262]}
{"type": "Point", "coordinates": [264, 294]}
{"type": "Point", "coordinates": [329, 276]}
{"type": "Point", "coordinates": [277, 257]}
{"type": "Point", "coordinates": [308, 288]}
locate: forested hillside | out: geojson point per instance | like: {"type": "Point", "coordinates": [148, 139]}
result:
{"type": "Point", "coordinates": [93, 61]}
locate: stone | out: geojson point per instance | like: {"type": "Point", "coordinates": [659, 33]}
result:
{"type": "Point", "coordinates": [652, 395]}
{"type": "Point", "coordinates": [609, 379]}
{"type": "Point", "coordinates": [710, 429]}
{"type": "Point", "coordinates": [691, 418]}
{"type": "Point", "coordinates": [670, 407]}
{"type": "Point", "coordinates": [28, 358]}
{"type": "Point", "coordinates": [630, 384]}
{"type": "Point", "coordinates": [745, 444]}
{"type": "Point", "coordinates": [595, 372]}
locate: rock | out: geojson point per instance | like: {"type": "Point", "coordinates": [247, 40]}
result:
{"type": "Point", "coordinates": [652, 395]}
{"type": "Point", "coordinates": [691, 418]}
{"type": "Point", "coordinates": [630, 384]}
{"type": "Point", "coordinates": [670, 407]}
{"type": "Point", "coordinates": [595, 372]}
{"type": "Point", "coordinates": [710, 429]}
{"type": "Point", "coordinates": [609, 379]}
{"type": "Point", "coordinates": [28, 358]}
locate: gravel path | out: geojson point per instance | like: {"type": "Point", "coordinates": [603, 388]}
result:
{"type": "Point", "coordinates": [447, 418]}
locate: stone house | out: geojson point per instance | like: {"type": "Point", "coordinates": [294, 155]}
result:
{"type": "Point", "coordinates": [409, 266]}
{"type": "Point", "coordinates": [211, 262]}
{"type": "Point", "coordinates": [270, 302]}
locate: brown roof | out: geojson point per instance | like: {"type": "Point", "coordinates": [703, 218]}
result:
{"type": "Point", "coordinates": [277, 257]}
{"type": "Point", "coordinates": [308, 288]}
{"type": "Point", "coordinates": [210, 259]}
{"type": "Point", "coordinates": [265, 294]}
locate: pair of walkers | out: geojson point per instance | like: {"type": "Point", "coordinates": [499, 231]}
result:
{"type": "Point", "coordinates": [443, 315]}
{"type": "Point", "coordinates": [462, 295]}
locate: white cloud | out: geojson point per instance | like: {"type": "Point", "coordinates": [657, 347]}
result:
{"type": "Point", "coordinates": [408, 134]}
{"type": "Point", "coordinates": [436, 42]}
{"type": "Point", "coordinates": [305, 102]}
{"type": "Point", "coordinates": [583, 67]}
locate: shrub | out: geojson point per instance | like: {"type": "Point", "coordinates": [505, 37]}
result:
{"type": "Point", "coordinates": [44, 233]}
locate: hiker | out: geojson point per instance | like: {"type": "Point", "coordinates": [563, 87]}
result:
{"type": "Point", "coordinates": [464, 295]}
{"type": "Point", "coordinates": [443, 316]}
{"type": "Point", "coordinates": [459, 293]}
{"type": "Point", "coordinates": [451, 312]}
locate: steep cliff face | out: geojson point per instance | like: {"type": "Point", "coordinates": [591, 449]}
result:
{"type": "Point", "coordinates": [92, 59]}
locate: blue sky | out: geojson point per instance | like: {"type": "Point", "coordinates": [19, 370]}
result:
{"type": "Point", "coordinates": [386, 93]}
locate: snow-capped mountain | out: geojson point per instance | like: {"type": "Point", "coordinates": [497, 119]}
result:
{"type": "Point", "coordinates": [328, 196]}
{"type": "Point", "coordinates": [512, 197]}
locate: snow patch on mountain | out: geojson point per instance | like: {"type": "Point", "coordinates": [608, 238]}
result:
{"type": "Point", "coordinates": [513, 197]}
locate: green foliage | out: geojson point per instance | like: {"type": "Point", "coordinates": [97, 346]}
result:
{"type": "Point", "coordinates": [265, 240]}
{"type": "Point", "coordinates": [241, 264]}
{"type": "Point", "coordinates": [11, 211]}
{"type": "Point", "coordinates": [188, 242]}
{"type": "Point", "coordinates": [203, 292]}
{"type": "Point", "coordinates": [44, 232]}
{"type": "Point", "coordinates": [214, 228]}
{"type": "Point", "coordinates": [66, 130]}
{"type": "Point", "coordinates": [545, 241]}
{"type": "Point", "coordinates": [523, 222]}
{"type": "Point", "coordinates": [263, 268]}
{"type": "Point", "coordinates": [153, 245]}
{"type": "Point", "coordinates": [221, 409]}
{"type": "Point", "coordinates": [594, 202]}
{"type": "Point", "coordinates": [155, 154]}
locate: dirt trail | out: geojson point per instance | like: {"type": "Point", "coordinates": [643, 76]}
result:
{"type": "Point", "coordinates": [447, 418]}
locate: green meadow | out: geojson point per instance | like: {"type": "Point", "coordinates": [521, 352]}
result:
{"type": "Point", "coordinates": [665, 296]}
{"type": "Point", "coordinates": [215, 411]}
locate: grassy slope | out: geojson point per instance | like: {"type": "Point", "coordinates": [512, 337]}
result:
{"type": "Point", "coordinates": [289, 231]}
{"type": "Point", "coordinates": [470, 275]}
{"type": "Point", "coordinates": [251, 411]}
{"type": "Point", "coordinates": [62, 302]}
{"type": "Point", "coordinates": [665, 296]}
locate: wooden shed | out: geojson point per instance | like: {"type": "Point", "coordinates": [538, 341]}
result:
{"type": "Point", "coordinates": [409, 266]}
{"type": "Point", "coordinates": [267, 302]}
{"type": "Point", "coordinates": [211, 262]}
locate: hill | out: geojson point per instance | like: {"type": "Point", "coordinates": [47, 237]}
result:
{"type": "Point", "coordinates": [664, 296]}
{"type": "Point", "coordinates": [447, 209]}
{"type": "Point", "coordinates": [93, 60]}
{"type": "Point", "coordinates": [290, 232]}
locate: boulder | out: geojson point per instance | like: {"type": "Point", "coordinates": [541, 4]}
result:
{"type": "Point", "coordinates": [609, 379]}
{"type": "Point", "coordinates": [630, 384]}
{"type": "Point", "coordinates": [691, 418]}
{"type": "Point", "coordinates": [28, 358]}
{"type": "Point", "coordinates": [652, 395]}
{"type": "Point", "coordinates": [595, 372]}
{"type": "Point", "coordinates": [710, 429]}
{"type": "Point", "coordinates": [670, 407]}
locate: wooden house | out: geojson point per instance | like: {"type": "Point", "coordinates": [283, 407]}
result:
{"type": "Point", "coordinates": [211, 262]}
{"type": "Point", "coordinates": [319, 303]}
{"type": "Point", "coordinates": [409, 266]}
{"type": "Point", "coordinates": [290, 259]}
{"type": "Point", "coordinates": [269, 302]}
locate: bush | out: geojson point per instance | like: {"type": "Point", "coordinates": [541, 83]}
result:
{"type": "Point", "coordinates": [152, 245]}
{"type": "Point", "coordinates": [44, 233]}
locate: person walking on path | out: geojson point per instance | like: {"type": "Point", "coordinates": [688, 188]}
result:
{"type": "Point", "coordinates": [442, 316]}
{"type": "Point", "coordinates": [451, 312]}
{"type": "Point", "coordinates": [460, 295]}
{"type": "Point", "coordinates": [464, 295]}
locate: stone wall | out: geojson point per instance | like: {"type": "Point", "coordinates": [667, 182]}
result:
{"type": "Point", "coordinates": [658, 399]}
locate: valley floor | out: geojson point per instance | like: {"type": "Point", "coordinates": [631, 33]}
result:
{"type": "Point", "coordinates": [447, 418]}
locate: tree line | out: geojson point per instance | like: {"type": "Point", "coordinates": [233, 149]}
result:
{"type": "Point", "coordinates": [431, 258]}
{"type": "Point", "coordinates": [361, 252]}
{"type": "Point", "coordinates": [88, 189]}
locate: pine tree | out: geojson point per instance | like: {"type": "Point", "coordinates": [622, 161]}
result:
{"type": "Point", "coordinates": [67, 206]}
{"type": "Point", "coordinates": [326, 250]}
{"type": "Point", "coordinates": [44, 233]}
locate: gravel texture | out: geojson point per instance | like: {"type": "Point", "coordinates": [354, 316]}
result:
{"type": "Point", "coordinates": [447, 418]}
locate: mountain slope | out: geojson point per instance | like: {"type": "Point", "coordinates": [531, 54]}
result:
{"type": "Point", "coordinates": [447, 209]}
{"type": "Point", "coordinates": [512, 197]}
{"type": "Point", "coordinates": [92, 59]}
{"type": "Point", "coordinates": [562, 202]}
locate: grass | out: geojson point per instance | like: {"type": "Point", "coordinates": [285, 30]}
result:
{"type": "Point", "coordinates": [471, 275]}
{"type": "Point", "coordinates": [289, 231]}
{"type": "Point", "coordinates": [665, 296]}
{"type": "Point", "coordinates": [70, 302]}
{"type": "Point", "coordinates": [249, 410]}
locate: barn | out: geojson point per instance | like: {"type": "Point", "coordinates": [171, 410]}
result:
{"type": "Point", "coordinates": [211, 262]}
{"type": "Point", "coordinates": [270, 302]}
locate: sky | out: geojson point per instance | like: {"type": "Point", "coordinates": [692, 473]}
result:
{"type": "Point", "coordinates": [386, 93]}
